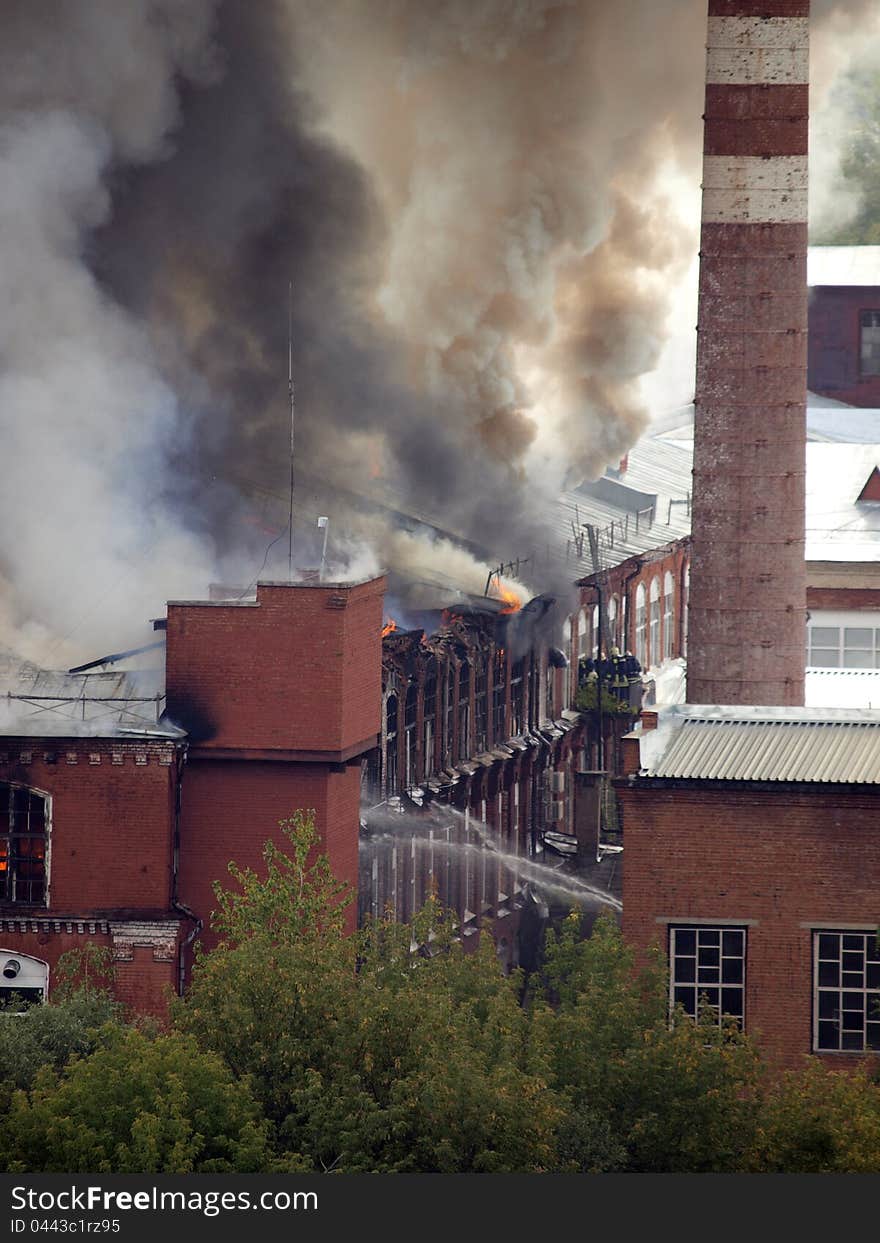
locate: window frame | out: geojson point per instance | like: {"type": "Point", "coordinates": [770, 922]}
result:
{"type": "Point", "coordinates": [10, 834]}
{"type": "Point", "coordinates": [676, 982]}
{"type": "Point", "coordinates": [870, 993]}
{"type": "Point", "coordinates": [869, 318]}
{"type": "Point", "coordinates": [641, 625]}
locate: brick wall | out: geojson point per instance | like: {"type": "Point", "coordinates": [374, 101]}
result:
{"type": "Point", "coordinates": [834, 344]}
{"type": "Point", "coordinates": [112, 819]}
{"type": "Point", "coordinates": [781, 858]}
{"type": "Point", "coordinates": [297, 671]}
{"type": "Point", "coordinates": [231, 807]}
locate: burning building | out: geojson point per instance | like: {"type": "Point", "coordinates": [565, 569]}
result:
{"type": "Point", "coordinates": [126, 796]}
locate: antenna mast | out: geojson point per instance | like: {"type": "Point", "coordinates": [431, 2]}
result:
{"type": "Point", "coordinates": [290, 398]}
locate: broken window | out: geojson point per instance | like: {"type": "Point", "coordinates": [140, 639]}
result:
{"type": "Point", "coordinates": [846, 1001]}
{"type": "Point", "coordinates": [464, 710]}
{"type": "Point", "coordinates": [448, 716]}
{"type": "Point", "coordinates": [409, 733]}
{"type": "Point", "coordinates": [391, 746]}
{"type": "Point", "coordinates": [708, 971]}
{"type": "Point", "coordinates": [429, 724]}
{"type": "Point", "coordinates": [24, 839]}
{"type": "Point", "coordinates": [481, 708]}
{"type": "Point", "coordinates": [499, 687]}
{"type": "Point", "coordinates": [517, 673]}
{"type": "Point", "coordinates": [869, 324]}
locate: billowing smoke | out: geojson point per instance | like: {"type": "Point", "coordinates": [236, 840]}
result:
{"type": "Point", "coordinates": [470, 200]}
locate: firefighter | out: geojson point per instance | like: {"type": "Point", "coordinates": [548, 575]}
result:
{"type": "Point", "coordinates": [633, 671]}
{"type": "Point", "coordinates": [586, 671]}
{"type": "Point", "coordinates": [619, 683]}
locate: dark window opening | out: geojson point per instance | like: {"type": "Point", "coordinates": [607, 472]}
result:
{"type": "Point", "coordinates": [23, 846]}
{"type": "Point", "coordinates": [464, 710]}
{"type": "Point", "coordinates": [429, 725]}
{"type": "Point", "coordinates": [499, 724]}
{"type": "Point", "coordinates": [409, 733]}
{"type": "Point", "coordinates": [391, 746]}
{"type": "Point", "coordinates": [481, 709]}
{"type": "Point", "coordinates": [517, 673]}
{"type": "Point", "coordinates": [869, 342]}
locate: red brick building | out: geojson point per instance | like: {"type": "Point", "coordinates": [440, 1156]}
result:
{"type": "Point", "coordinates": [123, 802]}
{"type": "Point", "coordinates": [753, 858]}
{"type": "Point", "coordinates": [844, 323]}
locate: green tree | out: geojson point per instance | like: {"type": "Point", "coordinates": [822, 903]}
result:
{"type": "Point", "coordinates": [49, 1035]}
{"type": "Point", "coordinates": [820, 1121]}
{"type": "Point", "coordinates": [640, 1094]}
{"type": "Point", "coordinates": [137, 1105]}
{"type": "Point", "coordinates": [365, 1054]}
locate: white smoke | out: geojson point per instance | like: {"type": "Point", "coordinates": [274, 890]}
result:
{"type": "Point", "coordinates": [86, 421]}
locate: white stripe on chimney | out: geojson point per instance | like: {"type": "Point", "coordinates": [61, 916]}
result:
{"type": "Point", "coordinates": [744, 51]}
{"type": "Point", "coordinates": [754, 189]}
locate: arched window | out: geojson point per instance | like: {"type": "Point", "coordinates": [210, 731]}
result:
{"type": "Point", "coordinates": [685, 604]}
{"type": "Point", "coordinates": [642, 626]}
{"type": "Point", "coordinates": [464, 710]}
{"type": "Point", "coordinates": [429, 724]}
{"type": "Point", "coordinates": [613, 611]}
{"type": "Point", "coordinates": [390, 746]}
{"type": "Point", "coordinates": [24, 980]}
{"type": "Point", "coordinates": [499, 696]}
{"type": "Point", "coordinates": [566, 673]}
{"type": "Point", "coordinates": [654, 656]}
{"type": "Point", "coordinates": [24, 840]}
{"type": "Point", "coordinates": [410, 715]}
{"type": "Point", "coordinates": [583, 637]}
{"type": "Point", "coordinates": [668, 615]}
{"type": "Point", "coordinates": [481, 707]}
{"type": "Point", "coordinates": [517, 722]}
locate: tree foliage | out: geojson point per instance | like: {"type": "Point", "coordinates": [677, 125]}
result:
{"type": "Point", "coordinates": [302, 1047]}
{"type": "Point", "coordinates": [640, 1094]}
{"type": "Point", "coordinates": [137, 1104]}
{"type": "Point", "coordinates": [48, 1036]}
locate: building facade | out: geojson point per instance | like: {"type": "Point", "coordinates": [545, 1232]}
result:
{"type": "Point", "coordinates": [753, 859]}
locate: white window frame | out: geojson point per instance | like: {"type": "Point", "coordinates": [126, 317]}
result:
{"type": "Point", "coordinates": [863, 983]}
{"type": "Point", "coordinates": [705, 936]}
{"type": "Point", "coordinates": [654, 652]}
{"type": "Point", "coordinates": [843, 622]}
{"type": "Point", "coordinates": [642, 626]}
{"type": "Point", "coordinates": [668, 615]}
{"type": "Point", "coordinates": [33, 974]}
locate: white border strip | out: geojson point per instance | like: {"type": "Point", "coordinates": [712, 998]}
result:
{"type": "Point", "coordinates": [746, 51]}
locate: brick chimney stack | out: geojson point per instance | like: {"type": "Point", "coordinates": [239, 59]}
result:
{"type": "Point", "coordinates": [748, 595]}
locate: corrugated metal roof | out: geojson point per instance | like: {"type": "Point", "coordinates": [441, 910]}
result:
{"type": "Point", "coordinates": [756, 750]}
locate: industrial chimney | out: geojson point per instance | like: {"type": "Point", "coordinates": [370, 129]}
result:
{"type": "Point", "coordinates": [746, 638]}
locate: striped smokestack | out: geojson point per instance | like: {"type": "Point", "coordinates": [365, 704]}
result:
{"type": "Point", "coordinates": [747, 605]}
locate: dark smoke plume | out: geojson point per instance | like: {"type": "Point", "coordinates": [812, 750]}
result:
{"type": "Point", "coordinates": [468, 200]}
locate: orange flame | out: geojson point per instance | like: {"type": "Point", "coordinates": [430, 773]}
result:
{"type": "Point", "coordinates": [512, 601]}
{"type": "Point", "coordinates": [389, 627]}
